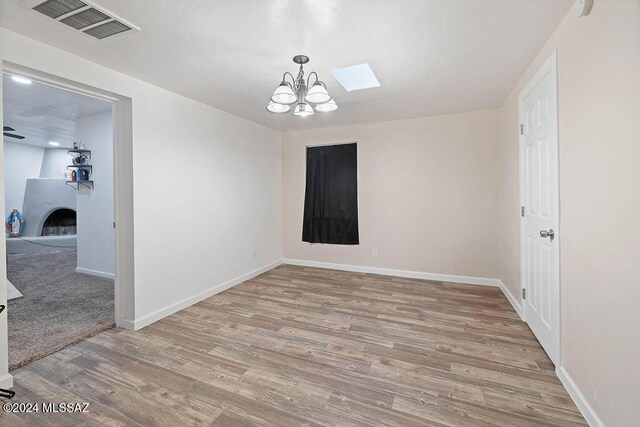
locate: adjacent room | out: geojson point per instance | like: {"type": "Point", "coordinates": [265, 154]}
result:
{"type": "Point", "coordinates": [320, 212]}
{"type": "Point", "coordinates": [58, 187]}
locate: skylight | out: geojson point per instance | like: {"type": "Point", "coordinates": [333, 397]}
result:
{"type": "Point", "coordinates": [356, 77]}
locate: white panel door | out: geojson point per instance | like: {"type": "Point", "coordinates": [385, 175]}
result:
{"type": "Point", "coordinates": [539, 194]}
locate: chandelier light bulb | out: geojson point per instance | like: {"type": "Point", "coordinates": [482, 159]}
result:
{"type": "Point", "coordinates": [303, 110]}
{"type": "Point", "coordinates": [276, 108]}
{"type": "Point", "coordinates": [318, 93]}
{"type": "Point", "coordinates": [327, 106]}
{"type": "Point", "coordinates": [284, 94]}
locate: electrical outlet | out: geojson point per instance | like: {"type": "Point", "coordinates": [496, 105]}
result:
{"type": "Point", "coordinates": [374, 252]}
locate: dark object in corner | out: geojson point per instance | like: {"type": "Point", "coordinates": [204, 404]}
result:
{"type": "Point", "coordinates": [331, 195]}
{"type": "Point", "coordinates": [6, 393]}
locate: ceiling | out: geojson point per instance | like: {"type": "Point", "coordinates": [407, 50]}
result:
{"type": "Point", "coordinates": [43, 113]}
{"type": "Point", "coordinates": [431, 56]}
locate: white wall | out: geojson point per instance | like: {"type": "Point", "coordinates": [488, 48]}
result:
{"type": "Point", "coordinates": [206, 186]}
{"type": "Point", "coordinates": [599, 150]}
{"type": "Point", "coordinates": [21, 162]}
{"type": "Point", "coordinates": [54, 163]}
{"type": "Point", "coordinates": [427, 194]}
{"type": "Point", "coordinates": [95, 209]}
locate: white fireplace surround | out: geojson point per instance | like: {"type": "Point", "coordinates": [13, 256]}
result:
{"type": "Point", "coordinates": [41, 198]}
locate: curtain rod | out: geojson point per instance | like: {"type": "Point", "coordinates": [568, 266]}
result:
{"type": "Point", "coordinates": [330, 143]}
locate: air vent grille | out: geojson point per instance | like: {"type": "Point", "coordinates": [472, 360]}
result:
{"type": "Point", "coordinates": [107, 29]}
{"type": "Point", "coordinates": [56, 8]}
{"type": "Point", "coordinates": [85, 18]}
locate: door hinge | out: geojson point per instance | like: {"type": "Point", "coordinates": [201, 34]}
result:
{"type": "Point", "coordinates": [521, 129]}
{"type": "Point", "coordinates": [522, 211]}
{"type": "Point", "coordinates": [524, 294]}
{"type": "Point", "coordinates": [114, 224]}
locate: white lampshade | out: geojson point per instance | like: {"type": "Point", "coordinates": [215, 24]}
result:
{"type": "Point", "coordinates": [327, 106]}
{"type": "Point", "coordinates": [274, 107]}
{"type": "Point", "coordinates": [284, 94]}
{"type": "Point", "coordinates": [317, 94]}
{"type": "Point", "coordinates": [303, 110]}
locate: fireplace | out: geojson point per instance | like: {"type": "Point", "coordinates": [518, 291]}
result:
{"type": "Point", "coordinates": [60, 222]}
{"type": "Point", "coordinates": [42, 197]}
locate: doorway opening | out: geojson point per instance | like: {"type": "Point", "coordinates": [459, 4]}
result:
{"type": "Point", "coordinates": [59, 209]}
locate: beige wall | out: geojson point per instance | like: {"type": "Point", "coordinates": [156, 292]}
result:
{"type": "Point", "coordinates": [599, 149]}
{"type": "Point", "coordinates": [428, 194]}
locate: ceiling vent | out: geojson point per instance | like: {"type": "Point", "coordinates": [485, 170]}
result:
{"type": "Point", "coordinates": [56, 8]}
{"type": "Point", "coordinates": [107, 29]}
{"type": "Point", "coordinates": [86, 17]}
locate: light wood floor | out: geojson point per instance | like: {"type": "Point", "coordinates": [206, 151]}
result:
{"type": "Point", "coordinates": [306, 346]}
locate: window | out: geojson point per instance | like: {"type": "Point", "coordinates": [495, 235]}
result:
{"type": "Point", "coordinates": [331, 195]}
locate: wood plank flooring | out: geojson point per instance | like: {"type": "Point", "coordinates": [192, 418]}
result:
{"type": "Point", "coordinates": [304, 346]}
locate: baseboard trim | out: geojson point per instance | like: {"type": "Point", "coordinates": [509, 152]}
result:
{"type": "Point", "coordinates": [182, 304]}
{"type": "Point", "coordinates": [514, 302]}
{"type": "Point", "coordinates": [468, 280]}
{"type": "Point", "coordinates": [581, 402]}
{"type": "Point", "coordinates": [95, 273]}
{"type": "Point", "coordinates": [6, 381]}
{"type": "Point", "coordinates": [127, 324]}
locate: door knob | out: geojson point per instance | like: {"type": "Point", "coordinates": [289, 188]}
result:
{"type": "Point", "coordinates": [550, 234]}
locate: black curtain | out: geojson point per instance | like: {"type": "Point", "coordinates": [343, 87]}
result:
{"type": "Point", "coordinates": [331, 195]}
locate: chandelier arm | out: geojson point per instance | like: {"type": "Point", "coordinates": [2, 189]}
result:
{"type": "Point", "coordinates": [309, 77]}
{"type": "Point", "coordinates": [292, 79]}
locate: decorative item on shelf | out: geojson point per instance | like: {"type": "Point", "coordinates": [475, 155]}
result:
{"type": "Point", "coordinates": [80, 159]}
{"type": "Point", "coordinates": [298, 92]}
{"type": "Point", "coordinates": [80, 152]}
{"type": "Point", "coordinates": [80, 168]}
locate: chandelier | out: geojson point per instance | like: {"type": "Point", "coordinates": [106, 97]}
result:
{"type": "Point", "coordinates": [299, 92]}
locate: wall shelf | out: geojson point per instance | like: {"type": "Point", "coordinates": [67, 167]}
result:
{"type": "Point", "coordinates": [90, 167]}
{"type": "Point", "coordinates": [81, 168]}
{"type": "Point", "coordinates": [79, 153]}
{"type": "Point", "coordinates": [77, 184]}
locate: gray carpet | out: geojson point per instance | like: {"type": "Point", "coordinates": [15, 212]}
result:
{"type": "Point", "coordinates": [60, 307]}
